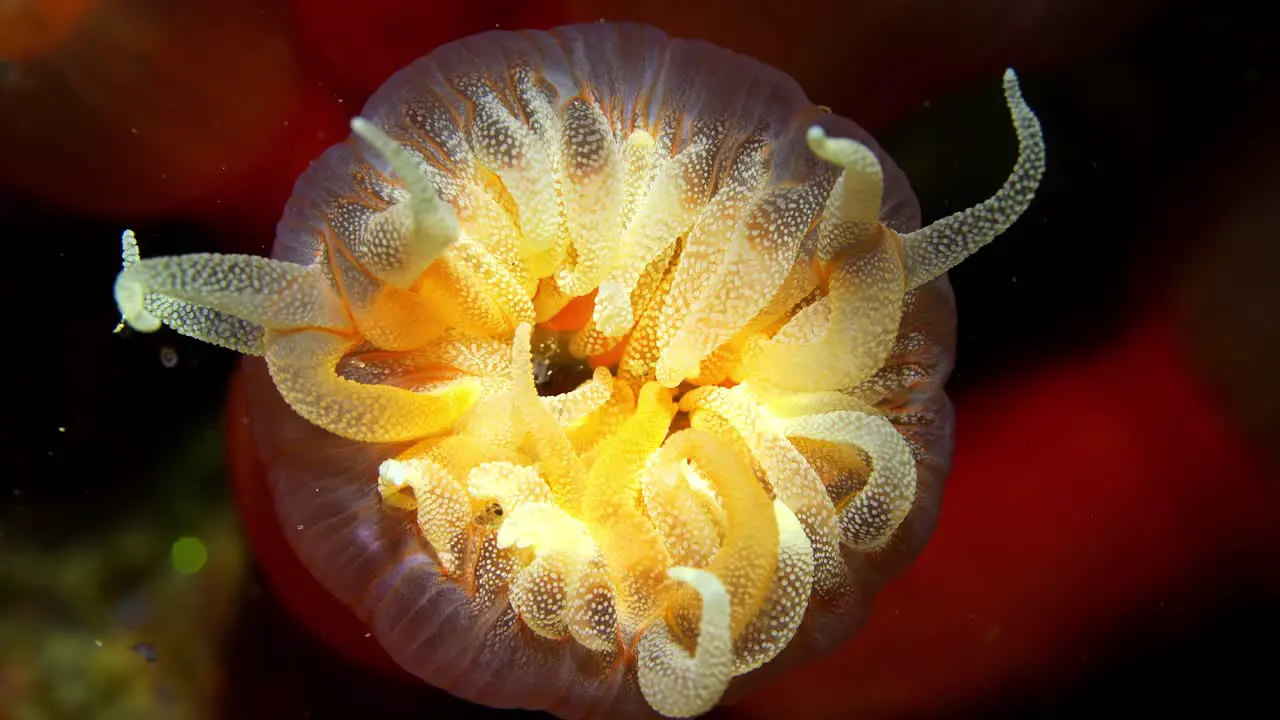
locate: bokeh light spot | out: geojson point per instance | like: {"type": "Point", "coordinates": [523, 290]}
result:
{"type": "Point", "coordinates": [188, 555]}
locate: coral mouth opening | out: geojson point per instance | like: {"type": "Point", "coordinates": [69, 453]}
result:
{"type": "Point", "coordinates": [555, 370]}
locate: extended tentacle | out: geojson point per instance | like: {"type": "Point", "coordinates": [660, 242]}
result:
{"type": "Point", "coordinates": [859, 317]}
{"type": "Point", "coordinates": [933, 250]}
{"type": "Point", "coordinates": [853, 207]}
{"type": "Point", "coordinates": [227, 300]}
{"type": "Point", "coordinates": [400, 255]}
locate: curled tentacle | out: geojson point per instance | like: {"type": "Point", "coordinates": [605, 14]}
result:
{"type": "Point", "coordinates": [433, 225]}
{"type": "Point", "coordinates": [674, 682]}
{"type": "Point", "coordinates": [853, 208]}
{"type": "Point", "coordinates": [870, 516]}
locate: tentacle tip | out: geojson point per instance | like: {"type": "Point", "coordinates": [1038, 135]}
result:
{"type": "Point", "coordinates": [387, 148]}
{"type": "Point", "coordinates": [1012, 89]}
{"type": "Point", "coordinates": [130, 300]}
{"type": "Point", "coordinates": [394, 478]}
{"type": "Point", "coordinates": [130, 296]}
{"type": "Point", "coordinates": [706, 583]}
{"type": "Point", "coordinates": [844, 152]}
{"type": "Point", "coordinates": [129, 252]}
{"type": "Point", "coordinates": [142, 322]}
{"type": "Point", "coordinates": [686, 575]}
{"type": "Point", "coordinates": [394, 474]}
{"type": "Point", "coordinates": [507, 536]}
{"type": "Point", "coordinates": [363, 128]}
{"type": "Point", "coordinates": [821, 144]}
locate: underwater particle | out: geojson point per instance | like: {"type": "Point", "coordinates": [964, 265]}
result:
{"type": "Point", "coordinates": [168, 356]}
{"type": "Point", "coordinates": [145, 650]}
{"type": "Point", "coordinates": [188, 555]}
